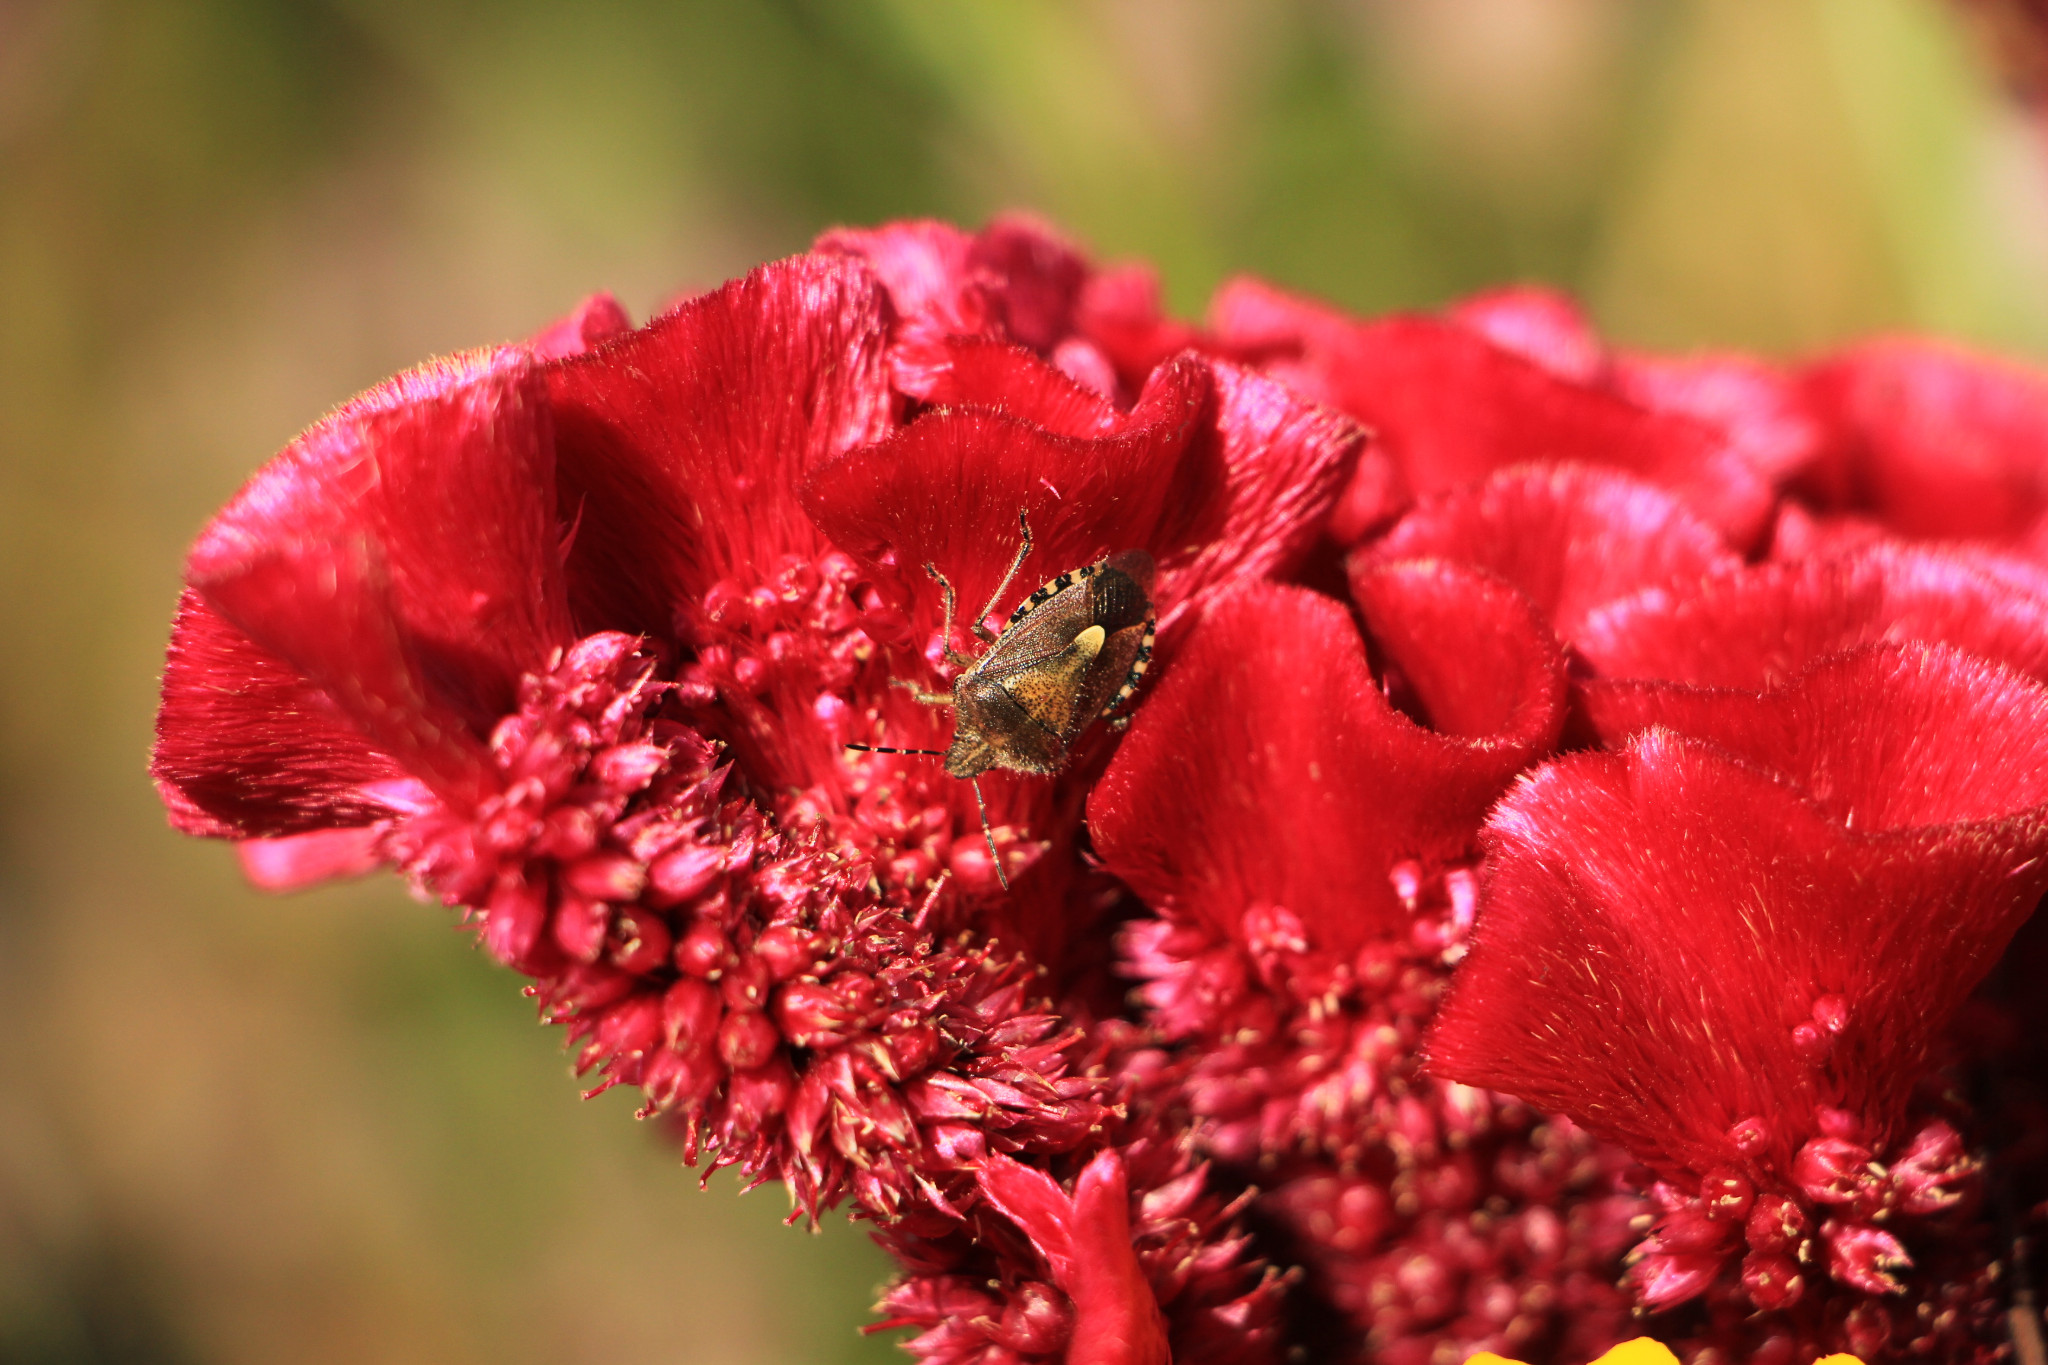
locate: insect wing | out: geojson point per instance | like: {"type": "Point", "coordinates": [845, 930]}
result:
{"type": "Point", "coordinates": [1071, 647]}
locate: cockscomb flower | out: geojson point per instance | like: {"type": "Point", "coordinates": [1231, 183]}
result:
{"type": "Point", "coordinates": [1579, 814]}
{"type": "Point", "coordinates": [579, 643]}
{"type": "Point", "coordinates": [1732, 943]}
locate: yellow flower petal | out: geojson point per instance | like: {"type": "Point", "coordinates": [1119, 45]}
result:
{"type": "Point", "coordinates": [1641, 1351]}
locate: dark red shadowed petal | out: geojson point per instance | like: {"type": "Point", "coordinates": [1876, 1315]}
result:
{"type": "Point", "coordinates": [1933, 440]}
{"type": "Point", "coordinates": [402, 557]}
{"type": "Point", "coordinates": [246, 746]}
{"type": "Point", "coordinates": [1570, 536]}
{"type": "Point", "coordinates": [594, 321]}
{"type": "Point", "coordinates": [682, 444]}
{"type": "Point", "coordinates": [1759, 625]}
{"type": "Point", "coordinates": [1657, 924]}
{"type": "Point", "coordinates": [947, 490]}
{"type": "Point", "coordinates": [1085, 1239]}
{"type": "Point", "coordinates": [1269, 768]}
{"type": "Point", "coordinates": [1540, 325]}
{"type": "Point", "coordinates": [1883, 737]}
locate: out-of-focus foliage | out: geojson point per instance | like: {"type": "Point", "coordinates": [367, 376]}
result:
{"type": "Point", "coordinates": [242, 1129]}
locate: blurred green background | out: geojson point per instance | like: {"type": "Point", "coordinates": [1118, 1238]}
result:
{"type": "Point", "coordinates": [242, 1129]}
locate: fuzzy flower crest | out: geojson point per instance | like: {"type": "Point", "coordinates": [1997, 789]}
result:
{"type": "Point", "coordinates": [1554, 852]}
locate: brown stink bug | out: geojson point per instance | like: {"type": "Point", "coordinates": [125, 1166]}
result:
{"type": "Point", "coordinates": [1074, 651]}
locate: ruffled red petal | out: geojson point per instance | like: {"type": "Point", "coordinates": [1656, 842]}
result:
{"type": "Point", "coordinates": [402, 557]}
{"type": "Point", "coordinates": [1762, 412]}
{"type": "Point", "coordinates": [1658, 925]}
{"type": "Point", "coordinates": [947, 489]}
{"type": "Point", "coordinates": [681, 445]}
{"type": "Point", "coordinates": [1281, 463]}
{"type": "Point", "coordinates": [1760, 625]}
{"type": "Point", "coordinates": [1934, 441]}
{"type": "Point", "coordinates": [1540, 325]}
{"type": "Point", "coordinates": [1451, 404]}
{"type": "Point", "coordinates": [246, 746]}
{"type": "Point", "coordinates": [1570, 536]}
{"type": "Point", "coordinates": [1270, 770]}
{"type": "Point", "coordinates": [1882, 737]}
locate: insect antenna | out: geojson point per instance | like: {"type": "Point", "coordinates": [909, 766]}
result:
{"type": "Point", "coordinates": [986, 832]}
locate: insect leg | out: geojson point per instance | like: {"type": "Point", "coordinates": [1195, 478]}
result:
{"type": "Point", "coordinates": [982, 632]}
{"type": "Point", "coordinates": [928, 698]}
{"type": "Point", "coordinates": [953, 656]}
{"type": "Point", "coordinates": [988, 833]}
{"type": "Point", "coordinates": [883, 749]}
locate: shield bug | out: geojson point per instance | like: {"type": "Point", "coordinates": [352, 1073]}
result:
{"type": "Point", "coordinates": [1070, 654]}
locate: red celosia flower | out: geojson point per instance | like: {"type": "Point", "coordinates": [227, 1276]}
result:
{"type": "Point", "coordinates": [567, 640]}
{"type": "Point", "coordinates": [1733, 945]}
{"type": "Point", "coordinates": [576, 633]}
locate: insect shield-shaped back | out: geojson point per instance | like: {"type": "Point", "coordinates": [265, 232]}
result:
{"type": "Point", "coordinates": [1075, 649]}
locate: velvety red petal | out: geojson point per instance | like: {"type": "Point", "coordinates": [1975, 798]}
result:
{"type": "Point", "coordinates": [1656, 924]}
{"type": "Point", "coordinates": [1120, 311]}
{"type": "Point", "coordinates": [1883, 737]}
{"type": "Point", "coordinates": [1762, 412]}
{"type": "Point", "coordinates": [1039, 275]}
{"type": "Point", "coordinates": [332, 611]}
{"type": "Point", "coordinates": [925, 267]}
{"type": "Point", "coordinates": [595, 321]}
{"type": "Point", "coordinates": [682, 445]}
{"type": "Point", "coordinates": [1451, 405]}
{"type": "Point", "coordinates": [1540, 325]}
{"type": "Point", "coordinates": [402, 556]}
{"type": "Point", "coordinates": [1085, 1239]}
{"type": "Point", "coordinates": [947, 490]}
{"type": "Point", "coordinates": [1283, 461]}
{"type": "Point", "coordinates": [1007, 378]}
{"type": "Point", "coordinates": [1269, 768]}
{"type": "Point", "coordinates": [1933, 440]}
{"type": "Point", "coordinates": [1570, 536]}
{"type": "Point", "coordinates": [246, 746]}
{"type": "Point", "coordinates": [1451, 408]}
{"type": "Point", "coordinates": [1761, 625]}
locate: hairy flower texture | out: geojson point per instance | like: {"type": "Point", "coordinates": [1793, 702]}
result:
{"type": "Point", "coordinates": [1657, 745]}
{"type": "Point", "coordinates": [1308, 851]}
{"type": "Point", "coordinates": [1929, 441]}
{"type": "Point", "coordinates": [1739, 963]}
{"type": "Point", "coordinates": [1518, 378]}
{"type": "Point", "coordinates": [576, 632]}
